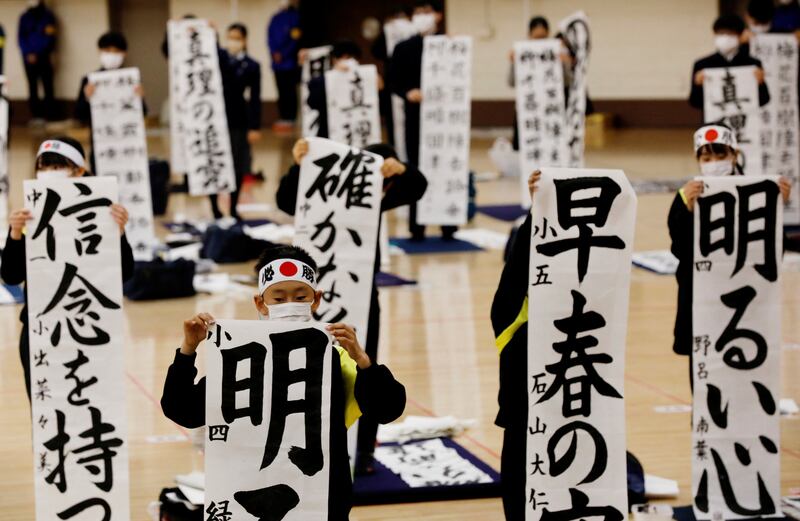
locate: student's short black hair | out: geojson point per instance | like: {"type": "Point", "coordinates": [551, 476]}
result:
{"type": "Point", "coordinates": [400, 8]}
{"type": "Point", "coordinates": [729, 22]}
{"type": "Point", "coordinates": [762, 11]}
{"type": "Point", "coordinates": [112, 39]}
{"type": "Point", "coordinates": [285, 252]}
{"type": "Point", "coordinates": [538, 21]}
{"type": "Point", "coordinates": [53, 160]}
{"type": "Point", "coordinates": [436, 5]}
{"type": "Point", "coordinates": [346, 48]}
{"type": "Point", "coordinates": [384, 150]}
{"type": "Point", "coordinates": [238, 26]}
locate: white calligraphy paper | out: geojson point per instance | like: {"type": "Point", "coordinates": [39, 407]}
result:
{"type": "Point", "coordinates": [575, 29]}
{"type": "Point", "coordinates": [353, 108]}
{"type": "Point", "coordinates": [4, 180]}
{"type": "Point", "coordinates": [318, 60]}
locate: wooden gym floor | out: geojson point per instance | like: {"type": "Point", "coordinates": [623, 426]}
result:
{"type": "Point", "coordinates": [435, 336]}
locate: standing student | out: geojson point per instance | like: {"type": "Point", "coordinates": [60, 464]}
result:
{"type": "Point", "coordinates": [58, 158]}
{"type": "Point", "coordinates": [728, 39]}
{"type": "Point", "coordinates": [283, 40]}
{"type": "Point", "coordinates": [113, 48]}
{"type": "Point", "coordinates": [357, 382]}
{"type": "Point", "coordinates": [716, 151]}
{"type": "Point", "coordinates": [406, 75]}
{"type": "Point", "coordinates": [241, 79]}
{"type": "Point", "coordinates": [36, 35]}
{"type": "Point", "coordinates": [380, 52]}
{"type": "Point", "coordinates": [403, 185]}
{"type": "Point", "coordinates": [345, 56]}
{"type": "Point", "coordinates": [509, 316]}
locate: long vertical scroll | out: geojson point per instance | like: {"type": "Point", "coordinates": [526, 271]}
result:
{"type": "Point", "coordinates": [4, 181]}
{"type": "Point", "coordinates": [337, 215]}
{"type": "Point", "coordinates": [444, 135]}
{"type": "Point", "coordinates": [541, 118]}
{"type": "Point", "coordinates": [318, 60]}
{"type": "Point", "coordinates": [205, 137]}
{"type": "Point", "coordinates": [580, 262]}
{"type": "Point", "coordinates": [120, 149]}
{"type": "Point", "coordinates": [353, 112]}
{"type": "Point", "coordinates": [736, 322]}
{"type": "Point", "coordinates": [575, 29]}
{"type": "Point", "coordinates": [77, 358]}
{"type": "Point", "coordinates": [780, 128]}
{"type": "Point", "coordinates": [730, 98]}
{"type": "Point", "coordinates": [268, 411]}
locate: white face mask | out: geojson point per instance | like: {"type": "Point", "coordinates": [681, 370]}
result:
{"type": "Point", "coordinates": [292, 311]}
{"type": "Point", "coordinates": [49, 175]}
{"type": "Point", "coordinates": [425, 23]}
{"type": "Point", "coordinates": [111, 60]}
{"type": "Point", "coordinates": [759, 28]}
{"type": "Point", "coordinates": [726, 43]}
{"type": "Point", "coordinates": [716, 168]}
{"type": "Point", "coordinates": [234, 46]}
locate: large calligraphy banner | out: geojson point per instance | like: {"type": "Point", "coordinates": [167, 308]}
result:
{"type": "Point", "coordinates": [336, 221]}
{"type": "Point", "coordinates": [120, 149]}
{"type": "Point", "coordinates": [575, 29]}
{"type": "Point", "coordinates": [268, 412]}
{"type": "Point", "coordinates": [582, 236]}
{"type": "Point", "coordinates": [353, 109]}
{"type": "Point", "coordinates": [730, 98]}
{"type": "Point", "coordinates": [736, 317]}
{"type": "Point", "coordinates": [205, 137]}
{"type": "Point", "coordinates": [780, 130]}
{"type": "Point", "coordinates": [318, 60]}
{"type": "Point", "coordinates": [541, 115]}
{"type": "Point", "coordinates": [77, 358]}
{"type": "Point", "coordinates": [444, 135]}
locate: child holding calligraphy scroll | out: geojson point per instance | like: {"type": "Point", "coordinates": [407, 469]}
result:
{"type": "Point", "coordinates": [358, 385]}
{"type": "Point", "coordinates": [402, 185]}
{"type": "Point", "coordinates": [717, 152]}
{"type": "Point", "coordinates": [58, 158]}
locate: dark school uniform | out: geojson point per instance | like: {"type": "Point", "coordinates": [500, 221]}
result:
{"type": "Point", "coordinates": [13, 271]}
{"type": "Point", "coordinates": [400, 190]}
{"type": "Point", "coordinates": [374, 390]}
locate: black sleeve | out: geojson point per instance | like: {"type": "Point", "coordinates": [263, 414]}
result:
{"type": "Point", "coordinates": [763, 88]}
{"type": "Point", "coordinates": [513, 286]}
{"type": "Point", "coordinates": [404, 189]}
{"type": "Point", "coordinates": [696, 94]}
{"type": "Point", "coordinates": [680, 223]}
{"type": "Point", "coordinates": [184, 401]}
{"type": "Point", "coordinates": [254, 103]}
{"type": "Point", "coordinates": [379, 395]}
{"type": "Point", "coordinates": [399, 66]}
{"type": "Point", "coordinates": [317, 100]}
{"type": "Point", "coordinates": [286, 197]}
{"type": "Point", "coordinates": [12, 266]}
{"type": "Point", "coordinates": [83, 111]}
{"type": "Point", "coordinates": [378, 48]}
{"type": "Point", "coordinates": [127, 258]}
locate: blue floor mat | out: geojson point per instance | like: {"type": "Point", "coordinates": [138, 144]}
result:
{"type": "Point", "coordinates": [11, 294]}
{"type": "Point", "coordinates": [386, 280]}
{"type": "Point", "coordinates": [434, 245]}
{"type": "Point", "coordinates": [504, 212]}
{"type": "Point", "coordinates": [385, 487]}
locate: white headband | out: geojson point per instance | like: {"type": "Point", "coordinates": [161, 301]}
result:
{"type": "Point", "coordinates": [714, 134]}
{"type": "Point", "coordinates": [281, 270]}
{"type": "Point", "coordinates": [62, 149]}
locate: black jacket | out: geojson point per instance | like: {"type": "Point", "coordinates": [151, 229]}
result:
{"type": "Point", "coordinates": [717, 61]}
{"type": "Point", "coordinates": [318, 100]}
{"type": "Point", "coordinates": [13, 268]}
{"type": "Point", "coordinates": [405, 74]}
{"type": "Point", "coordinates": [242, 86]}
{"type": "Point", "coordinates": [379, 396]}
{"type": "Point", "coordinates": [681, 231]}
{"type": "Point", "coordinates": [509, 299]}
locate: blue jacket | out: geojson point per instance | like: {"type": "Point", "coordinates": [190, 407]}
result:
{"type": "Point", "coordinates": [37, 31]}
{"type": "Point", "coordinates": [283, 36]}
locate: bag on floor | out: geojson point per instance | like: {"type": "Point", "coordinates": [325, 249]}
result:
{"type": "Point", "coordinates": [157, 280]}
{"type": "Point", "coordinates": [229, 245]}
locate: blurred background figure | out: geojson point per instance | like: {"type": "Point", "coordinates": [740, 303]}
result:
{"type": "Point", "coordinates": [37, 40]}
{"type": "Point", "coordinates": [283, 39]}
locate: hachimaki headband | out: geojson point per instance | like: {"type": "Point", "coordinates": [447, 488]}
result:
{"type": "Point", "coordinates": [281, 270]}
{"type": "Point", "coordinates": [63, 149]}
{"type": "Point", "coordinates": [714, 134]}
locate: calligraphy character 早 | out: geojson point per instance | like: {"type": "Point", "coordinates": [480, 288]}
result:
{"type": "Point", "coordinates": [716, 150]}
{"type": "Point", "coordinates": [287, 277]}
{"type": "Point", "coordinates": [57, 158]}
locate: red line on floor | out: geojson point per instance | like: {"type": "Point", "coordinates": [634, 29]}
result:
{"type": "Point", "coordinates": [155, 402]}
